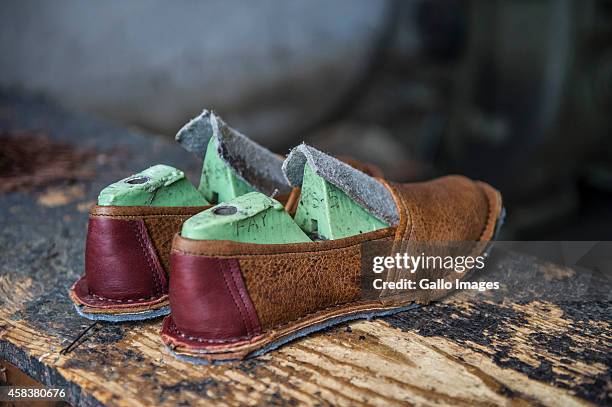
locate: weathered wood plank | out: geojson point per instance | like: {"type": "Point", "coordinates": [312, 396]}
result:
{"type": "Point", "coordinates": [545, 344]}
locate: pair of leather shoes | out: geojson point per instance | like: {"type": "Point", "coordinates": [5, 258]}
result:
{"type": "Point", "coordinates": [231, 299]}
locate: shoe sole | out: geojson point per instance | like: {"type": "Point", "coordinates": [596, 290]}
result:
{"type": "Point", "coordinates": [124, 317]}
{"type": "Point", "coordinates": [296, 335]}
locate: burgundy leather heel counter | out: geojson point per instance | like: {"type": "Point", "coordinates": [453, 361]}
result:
{"type": "Point", "coordinates": [209, 300]}
{"type": "Point", "coordinates": [121, 263]}
{"type": "Point", "coordinates": [127, 258]}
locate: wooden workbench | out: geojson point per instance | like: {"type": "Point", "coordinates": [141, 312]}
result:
{"type": "Point", "coordinates": [548, 343]}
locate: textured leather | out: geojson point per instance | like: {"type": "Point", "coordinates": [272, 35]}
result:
{"type": "Point", "coordinates": [161, 222]}
{"type": "Point", "coordinates": [210, 300]}
{"type": "Point", "coordinates": [162, 230]}
{"type": "Point", "coordinates": [452, 208]}
{"type": "Point", "coordinates": [448, 209]}
{"type": "Point", "coordinates": [120, 261]}
{"type": "Point", "coordinates": [321, 280]}
{"type": "Point", "coordinates": [127, 256]}
{"type": "Point", "coordinates": [292, 283]}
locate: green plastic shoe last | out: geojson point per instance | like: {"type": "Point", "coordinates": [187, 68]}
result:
{"type": "Point", "coordinates": [325, 212]}
{"type": "Point", "coordinates": [160, 185]}
{"type": "Point", "coordinates": [219, 183]}
{"type": "Point", "coordinates": [250, 218]}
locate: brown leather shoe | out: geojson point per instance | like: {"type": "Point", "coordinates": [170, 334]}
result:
{"type": "Point", "coordinates": [233, 300]}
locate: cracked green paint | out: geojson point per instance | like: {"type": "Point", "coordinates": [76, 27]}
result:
{"type": "Point", "coordinates": [160, 185]}
{"type": "Point", "coordinates": [250, 218]}
{"type": "Point", "coordinates": [219, 183]}
{"type": "Point", "coordinates": [325, 211]}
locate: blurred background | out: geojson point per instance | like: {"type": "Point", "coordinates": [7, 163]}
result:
{"type": "Point", "coordinates": [515, 93]}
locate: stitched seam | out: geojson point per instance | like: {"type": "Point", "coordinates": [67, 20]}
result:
{"type": "Point", "coordinates": [234, 271]}
{"type": "Point", "coordinates": [139, 234]}
{"type": "Point", "coordinates": [93, 215]}
{"type": "Point", "coordinates": [129, 300]}
{"type": "Point", "coordinates": [159, 272]}
{"type": "Point", "coordinates": [401, 227]}
{"type": "Point", "coordinates": [489, 213]}
{"type": "Point", "coordinates": [222, 265]}
{"type": "Point", "coordinates": [246, 256]}
{"type": "Point", "coordinates": [142, 238]}
{"type": "Point", "coordinates": [174, 328]}
{"type": "Point", "coordinates": [489, 210]}
{"type": "Point", "coordinates": [407, 213]}
{"type": "Point", "coordinates": [239, 338]}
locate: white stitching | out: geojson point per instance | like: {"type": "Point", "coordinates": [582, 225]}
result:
{"type": "Point", "coordinates": [110, 299]}
{"type": "Point", "coordinates": [140, 236]}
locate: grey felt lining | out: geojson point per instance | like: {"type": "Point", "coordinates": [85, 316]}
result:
{"type": "Point", "coordinates": [254, 164]}
{"type": "Point", "coordinates": [195, 135]}
{"type": "Point", "coordinates": [363, 189]}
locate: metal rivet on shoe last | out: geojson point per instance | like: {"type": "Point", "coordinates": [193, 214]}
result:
{"type": "Point", "coordinates": [225, 210]}
{"type": "Point", "coordinates": [137, 180]}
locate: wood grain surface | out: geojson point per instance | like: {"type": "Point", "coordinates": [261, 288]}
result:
{"type": "Point", "coordinates": [545, 339]}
